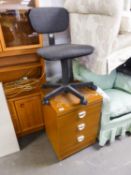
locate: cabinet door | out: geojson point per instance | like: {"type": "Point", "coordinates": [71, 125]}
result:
{"type": "Point", "coordinates": [14, 117]}
{"type": "Point", "coordinates": [15, 29]}
{"type": "Point", "coordinates": [29, 111]}
{"type": "Point", "coordinates": [0, 47]}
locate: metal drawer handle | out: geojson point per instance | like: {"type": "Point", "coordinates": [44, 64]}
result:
{"type": "Point", "coordinates": [81, 138]}
{"type": "Point", "coordinates": [81, 126]}
{"type": "Point", "coordinates": [82, 114]}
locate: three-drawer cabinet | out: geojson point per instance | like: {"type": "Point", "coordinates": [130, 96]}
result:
{"type": "Point", "coordinates": [70, 126]}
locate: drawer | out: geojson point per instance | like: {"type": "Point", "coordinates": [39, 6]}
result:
{"type": "Point", "coordinates": [80, 123]}
{"type": "Point", "coordinates": [72, 138]}
{"type": "Point", "coordinates": [69, 137]}
{"type": "Point", "coordinates": [65, 152]}
{"type": "Point", "coordinates": [89, 115]}
{"type": "Point", "coordinates": [76, 144]}
{"type": "Point", "coordinates": [83, 111]}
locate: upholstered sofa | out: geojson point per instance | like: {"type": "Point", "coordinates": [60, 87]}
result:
{"type": "Point", "coordinates": [104, 24]}
{"type": "Point", "coordinates": [116, 91]}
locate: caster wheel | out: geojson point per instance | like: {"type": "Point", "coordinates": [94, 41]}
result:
{"type": "Point", "coordinates": [93, 87]}
{"type": "Point", "coordinates": [84, 102]}
{"type": "Point", "coordinates": [45, 102]}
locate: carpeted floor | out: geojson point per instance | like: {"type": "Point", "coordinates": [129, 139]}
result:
{"type": "Point", "coordinates": [38, 158]}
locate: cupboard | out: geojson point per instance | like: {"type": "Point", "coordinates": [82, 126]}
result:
{"type": "Point", "coordinates": [16, 33]}
{"type": "Point", "coordinates": [18, 59]}
{"type": "Point", "coordinates": [26, 113]}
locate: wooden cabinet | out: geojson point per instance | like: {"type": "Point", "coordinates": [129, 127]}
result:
{"type": "Point", "coordinates": [71, 126]}
{"type": "Point", "coordinates": [27, 114]}
{"type": "Point", "coordinates": [25, 107]}
{"type": "Point", "coordinates": [18, 59]}
{"type": "Point", "coordinates": [16, 32]}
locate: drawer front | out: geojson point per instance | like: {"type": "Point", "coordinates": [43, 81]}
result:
{"type": "Point", "coordinates": [76, 128]}
{"type": "Point", "coordinates": [77, 147]}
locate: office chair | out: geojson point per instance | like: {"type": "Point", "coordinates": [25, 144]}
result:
{"type": "Point", "coordinates": [50, 21]}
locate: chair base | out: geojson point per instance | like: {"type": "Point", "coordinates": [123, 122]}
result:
{"type": "Point", "coordinates": [72, 88]}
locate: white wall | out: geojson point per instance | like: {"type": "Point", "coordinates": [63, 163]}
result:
{"type": "Point", "coordinates": [55, 3]}
{"type": "Point", "coordinates": [8, 140]}
{"type": "Point", "coordinates": [53, 69]}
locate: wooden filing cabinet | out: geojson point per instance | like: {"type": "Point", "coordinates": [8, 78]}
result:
{"type": "Point", "coordinates": [71, 126]}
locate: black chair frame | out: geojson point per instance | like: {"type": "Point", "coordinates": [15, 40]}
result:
{"type": "Point", "coordinates": [50, 21]}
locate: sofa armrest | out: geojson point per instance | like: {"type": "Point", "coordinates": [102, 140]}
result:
{"type": "Point", "coordinates": [105, 117]}
{"type": "Point", "coordinates": [123, 82]}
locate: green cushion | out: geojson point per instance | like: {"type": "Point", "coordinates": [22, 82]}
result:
{"type": "Point", "coordinates": [103, 81]}
{"type": "Point", "coordinates": [123, 82]}
{"type": "Point", "coordinates": [120, 102]}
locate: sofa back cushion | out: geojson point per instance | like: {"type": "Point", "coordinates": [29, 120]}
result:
{"type": "Point", "coordinates": [102, 81]}
{"type": "Point", "coordinates": [104, 7]}
{"type": "Point", "coordinates": [123, 82]}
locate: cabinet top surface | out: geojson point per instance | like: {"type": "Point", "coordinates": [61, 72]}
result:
{"type": "Point", "coordinates": [68, 102]}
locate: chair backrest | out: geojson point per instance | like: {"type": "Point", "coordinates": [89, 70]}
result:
{"type": "Point", "coordinates": [49, 20]}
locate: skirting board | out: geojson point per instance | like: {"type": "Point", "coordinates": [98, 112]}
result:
{"type": "Point", "coordinates": [8, 139]}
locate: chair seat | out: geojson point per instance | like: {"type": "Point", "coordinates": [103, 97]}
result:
{"type": "Point", "coordinates": [120, 102]}
{"type": "Point", "coordinates": [64, 51]}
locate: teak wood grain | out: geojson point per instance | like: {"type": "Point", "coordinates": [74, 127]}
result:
{"type": "Point", "coordinates": [14, 118]}
{"type": "Point", "coordinates": [62, 122]}
{"type": "Point", "coordinates": [26, 112]}
{"type": "Point", "coordinates": [16, 62]}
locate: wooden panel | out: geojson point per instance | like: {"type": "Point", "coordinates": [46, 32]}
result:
{"type": "Point", "coordinates": [50, 119]}
{"type": "Point", "coordinates": [17, 52]}
{"type": "Point", "coordinates": [0, 47]}
{"type": "Point", "coordinates": [14, 117]}
{"type": "Point", "coordinates": [18, 60]}
{"type": "Point", "coordinates": [29, 111]}
{"type": "Point", "coordinates": [13, 73]}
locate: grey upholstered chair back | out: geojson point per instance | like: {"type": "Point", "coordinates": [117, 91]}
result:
{"type": "Point", "coordinates": [49, 20]}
